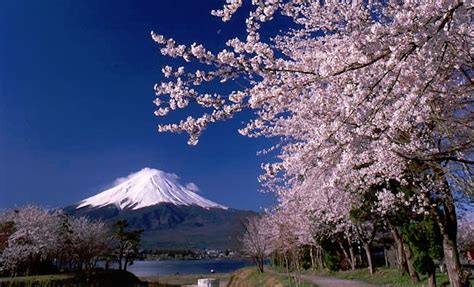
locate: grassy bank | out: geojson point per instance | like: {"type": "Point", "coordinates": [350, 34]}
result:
{"type": "Point", "coordinates": [251, 277]}
{"type": "Point", "coordinates": [245, 277]}
{"type": "Point", "coordinates": [383, 276]}
{"type": "Point", "coordinates": [98, 278]}
{"type": "Point", "coordinates": [40, 280]}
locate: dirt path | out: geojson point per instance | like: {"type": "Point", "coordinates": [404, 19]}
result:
{"type": "Point", "coordinates": [323, 281]}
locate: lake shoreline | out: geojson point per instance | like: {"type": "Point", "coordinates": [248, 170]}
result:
{"type": "Point", "coordinates": [186, 279]}
{"type": "Point", "coordinates": [162, 268]}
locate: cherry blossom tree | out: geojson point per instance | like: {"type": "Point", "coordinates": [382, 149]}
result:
{"type": "Point", "coordinates": [358, 94]}
{"type": "Point", "coordinates": [90, 240]}
{"type": "Point", "coordinates": [315, 216]}
{"type": "Point", "coordinates": [33, 237]}
{"type": "Point", "coordinates": [256, 240]}
{"type": "Point", "coordinates": [33, 241]}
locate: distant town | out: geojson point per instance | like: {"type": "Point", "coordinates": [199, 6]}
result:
{"type": "Point", "coordinates": [188, 254]}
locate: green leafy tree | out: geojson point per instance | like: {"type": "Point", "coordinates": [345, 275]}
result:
{"type": "Point", "coordinates": [128, 243]}
{"type": "Point", "coordinates": [425, 242]}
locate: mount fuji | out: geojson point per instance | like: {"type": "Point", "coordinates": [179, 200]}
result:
{"type": "Point", "coordinates": [173, 215]}
{"type": "Point", "coordinates": [148, 187]}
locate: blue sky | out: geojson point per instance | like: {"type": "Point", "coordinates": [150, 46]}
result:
{"type": "Point", "coordinates": [76, 109]}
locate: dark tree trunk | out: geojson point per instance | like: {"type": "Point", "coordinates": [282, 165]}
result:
{"type": "Point", "coordinates": [402, 262]}
{"type": "Point", "coordinates": [258, 260]}
{"type": "Point", "coordinates": [366, 236]}
{"type": "Point", "coordinates": [447, 223]}
{"type": "Point", "coordinates": [385, 257]}
{"type": "Point", "coordinates": [451, 258]}
{"type": "Point", "coordinates": [368, 254]}
{"type": "Point", "coordinates": [260, 264]}
{"type": "Point", "coordinates": [351, 253]}
{"type": "Point", "coordinates": [319, 257]}
{"type": "Point", "coordinates": [432, 278]}
{"type": "Point", "coordinates": [297, 260]}
{"type": "Point", "coordinates": [411, 270]}
{"type": "Point", "coordinates": [346, 255]}
{"type": "Point", "coordinates": [120, 256]}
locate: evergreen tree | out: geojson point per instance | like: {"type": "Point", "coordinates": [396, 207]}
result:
{"type": "Point", "coordinates": [425, 242]}
{"type": "Point", "coordinates": [128, 243]}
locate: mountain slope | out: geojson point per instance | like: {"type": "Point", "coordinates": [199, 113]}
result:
{"type": "Point", "coordinates": [172, 215]}
{"type": "Point", "coordinates": [148, 187]}
{"type": "Point", "coordinates": [172, 226]}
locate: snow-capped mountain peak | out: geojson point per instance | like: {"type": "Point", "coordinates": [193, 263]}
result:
{"type": "Point", "coordinates": [148, 187]}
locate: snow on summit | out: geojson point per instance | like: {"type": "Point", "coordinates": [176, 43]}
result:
{"type": "Point", "coordinates": [148, 187]}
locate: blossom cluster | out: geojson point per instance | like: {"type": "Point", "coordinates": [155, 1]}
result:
{"type": "Point", "coordinates": [363, 98]}
{"type": "Point", "coordinates": [42, 235]}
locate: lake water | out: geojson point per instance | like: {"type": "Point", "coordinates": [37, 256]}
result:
{"type": "Point", "coordinates": [170, 267]}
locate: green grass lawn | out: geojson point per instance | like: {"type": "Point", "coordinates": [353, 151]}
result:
{"type": "Point", "coordinates": [384, 276]}
{"type": "Point", "coordinates": [253, 277]}
{"type": "Point", "coordinates": [96, 277]}
{"type": "Point", "coordinates": [38, 278]}
{"type": "Point", "coordinates": [249, 276]}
